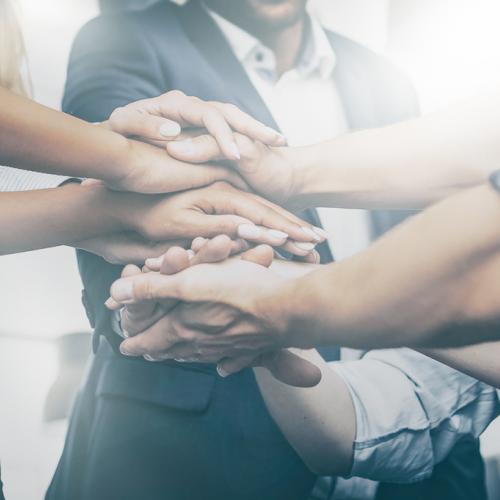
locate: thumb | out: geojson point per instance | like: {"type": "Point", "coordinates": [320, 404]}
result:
{"type": "Point", "coordinates": [291, 369]}
{"type": "Point", "coordinates": [150, 286]}
{"type": "Point", "coordinates": [199, 149]}
{"type": "Point", "coordinates": [284, 366]}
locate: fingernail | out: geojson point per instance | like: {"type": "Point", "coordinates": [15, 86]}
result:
{"type": "Point", "coordinates": [280, 235]}
{"type": "Point", "coordinates": [184, 147]}
{"type": "Point", "coordinates": [304, 246]}
{"type": "Point", "coordinates": [170, 129]}
{"type": "Point", "coordinates": [310, 233]}
{"type": "Point", "coordinates": [124, 351]}
{"type": "Point", "coordinates": [321, 232]}
{"type": "Point", "coordinates": [125, 334]}
{"type": "Point", "coordinates": [235, 150]}
{"type": "Point", "coordinates": [123, 290]}
{"type": "Point", "coordinates": [154, 262]}
{"type": "Point", "coordinates": [110, 303]}
{"type": "Point", "coordinates": [191, 254]}
{"type": "Point", "coordinates": [279, 138]}
{"type": "Point", "coordinates": [147, 357]}
{"type": "Point", "coordinates": [249, 231]}
{"type": "Point", "coordinates": [222, 373]}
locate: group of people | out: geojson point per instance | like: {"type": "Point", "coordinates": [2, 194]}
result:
{"type": "Point", "coordinates": [197, 143]}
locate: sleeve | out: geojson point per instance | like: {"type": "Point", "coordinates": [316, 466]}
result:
{"type": "Point", "coordinates": [111, 64]}
{"type": "Point", "coordinates": [410, 412]}
{"type": "Point", "coordinates": [14, 179]}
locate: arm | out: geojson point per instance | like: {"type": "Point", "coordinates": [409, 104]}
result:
{"type": "Point", "coordinates": [407, 165]}
{"type": "Point", "coordinates": [432, 281]}
{"type": "Point", "coordinates": [479, 361]}
{"type": "Point", "coordinates": [325, 444]}
{"type": "Point", "coordinates": [38, 138]}
{"type": "Point", "coordinates": [47, 217]}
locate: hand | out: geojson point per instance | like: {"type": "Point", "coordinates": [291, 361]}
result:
{"type": "Point", "coordinates": [213, 210]}
{"type": "Point", "coordinates": [123, 248]}
{"type": "Point", "coordinates": [234, 308]}
{"type": "Point", "coordinates": [150, 315]}
{"type": "Point", "coordinates": [267, 170]}
{"type": "Point", "coordinates": [161, 119]}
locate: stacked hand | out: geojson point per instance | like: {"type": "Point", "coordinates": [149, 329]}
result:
{"type": "Point", "coordinates": [207, 202]}
{"type": "Point", "coordinates": [158, 327]}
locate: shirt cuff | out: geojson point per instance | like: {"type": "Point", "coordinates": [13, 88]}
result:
{"type": "Point", "coordinates": [116, 323]}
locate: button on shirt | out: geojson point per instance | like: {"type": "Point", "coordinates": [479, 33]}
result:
{"type": "Point", "coordinates": [410, 410]}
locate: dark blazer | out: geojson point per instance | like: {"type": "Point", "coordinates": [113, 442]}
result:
{"type": "Point", "coordinates": [169, 431]}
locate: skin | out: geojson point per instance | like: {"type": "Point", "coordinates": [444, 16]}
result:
{"type": "Point", "coordinates": [176, 218]}
{"type": "Point", "coordinates": [279, 24]}
{"type": "Point", "coordinates": [123, 227]}
{"type": "Point", "coordinates": [323, 443]}
{"type": "Point", "coordinates": [377, 168]}
{"type": "Point", "coordinates": [38, 138]}
{"type": "Point", "coordinates": [447, 282]}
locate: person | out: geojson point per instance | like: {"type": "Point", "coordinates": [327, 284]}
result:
{"type": "Point", "coordinates": [123, 165]}
{"type": "Point", "coordinates": [305, 416]}
{"type": "Point", "coordinates": [119, 225]}
{"type": "Point", "coordinates": [124, 398]}
{"type": "Point", "coordinates": [454, 270]}
{"type": "Point", "coordinates": [37, 138]}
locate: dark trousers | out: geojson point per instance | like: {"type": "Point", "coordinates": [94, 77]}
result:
{"type": "Point", "coordinates": [1, 487]}
{"type": "Point", "coordinates": [127, 444]}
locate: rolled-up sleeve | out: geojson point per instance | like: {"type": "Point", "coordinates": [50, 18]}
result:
{"type": "Point", "coordinates": [14, 179]}
{"type": "Point", "coordinates": [410, 412]}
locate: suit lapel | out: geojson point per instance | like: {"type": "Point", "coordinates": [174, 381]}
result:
{"type": "Point", "coordinates": [353, 84]}
{"type": "Point", "coordinates": [213, 46]}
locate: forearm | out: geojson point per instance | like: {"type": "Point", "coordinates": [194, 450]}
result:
{"type": "Point", "coordinates": [420, 278]}
{"type": "Point", "coordinates": [50, 217]}
{"type": "Point", "coordinates": [407, 165]}
{"type": "Point", "coordinates": [304, 416]}
{"type": "Point", "coordinates": [479, 361]}
{"type": "Point", "coordinates": [38, 138]}
{"type": "Point", "coordinates": [318, 422]}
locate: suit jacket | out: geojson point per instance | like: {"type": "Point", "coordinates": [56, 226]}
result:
{"type": "Point", "coordinates": [117, 59]}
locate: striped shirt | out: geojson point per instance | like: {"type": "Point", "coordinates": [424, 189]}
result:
{"type": "Point", "coordinates": [14, 179]}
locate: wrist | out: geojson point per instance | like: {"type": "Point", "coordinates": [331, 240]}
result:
{"type": "Point", "coordinates": [302, 163]}
{"type": "Point", "coordinates": [291, 312]}
{"type": "Point", "coordinates": [123, 164]}
{"type": "Point", "coordinates": [113, 208]}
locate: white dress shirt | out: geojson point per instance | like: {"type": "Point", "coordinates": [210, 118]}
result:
{"type": "Point", "coordinates": [306, 105]}
{"type": "Point", "coordinates": [410, 410]}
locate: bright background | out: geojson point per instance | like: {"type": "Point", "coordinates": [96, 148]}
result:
{"type": "Point", "coordinates": [448, 47]}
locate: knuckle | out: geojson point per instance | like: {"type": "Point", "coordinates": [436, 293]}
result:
{"type": "Point", "coordinates": [230, 108]}
{"type": "Point", "coordinates": [174, 94]}
{"type": "Point", "coordinates": [223, 186]}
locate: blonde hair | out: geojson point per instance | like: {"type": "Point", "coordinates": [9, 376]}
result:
{"type": "Point", "coordinates": [12, 50]}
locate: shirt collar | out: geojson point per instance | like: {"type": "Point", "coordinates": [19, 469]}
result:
{"type": "Point", "coordinates": [318, 56]}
